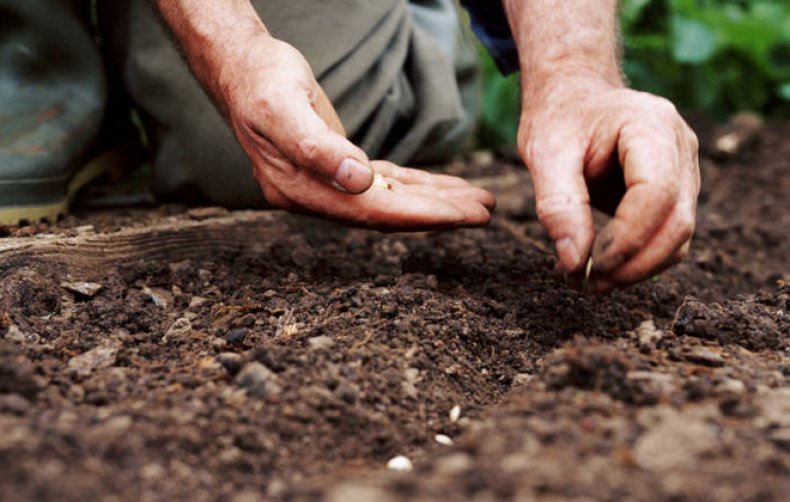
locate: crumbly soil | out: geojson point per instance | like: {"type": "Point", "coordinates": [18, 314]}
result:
{"type": "Point", "coordinates": [299, 372]}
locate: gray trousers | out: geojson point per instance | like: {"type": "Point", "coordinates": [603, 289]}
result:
{"type": "Point", "coordinates": [402, 76]}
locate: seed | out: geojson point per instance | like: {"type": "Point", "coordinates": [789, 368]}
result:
{"type": "Point", "coordinates": [443, 440]}
{"type": "Point", "coordinates": [400, 463]}
{"type": "Point", "coordinates": [455, 413]}
{"type": "Point", "coordinates": [380, 181]}
{"type": "Point", "coordinates": [588, 272]}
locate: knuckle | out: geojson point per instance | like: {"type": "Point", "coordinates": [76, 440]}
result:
{"type": "Point", "coordinates": [554, 208]}
{"type": "Point", "coordinates": [306, 151]}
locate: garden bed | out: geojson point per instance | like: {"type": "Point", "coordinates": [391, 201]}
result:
{"type": "Point", "coordinates": [166, 353]}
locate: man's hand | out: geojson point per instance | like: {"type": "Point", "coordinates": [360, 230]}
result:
{"type": "Point", "coordinates": [576, 131]}
{"type": "Point", "coordinates": [583, 133]}
{"type": "Point", "coordinates": [293, 137]}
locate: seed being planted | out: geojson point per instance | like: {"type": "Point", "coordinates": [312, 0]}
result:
{"type": "Point", "coordinates": [588, 272]}
{"type": "Point", "coordinates": [400, 463]}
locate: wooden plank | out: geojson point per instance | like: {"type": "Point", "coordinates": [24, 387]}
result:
{"type": "Point", "coordinates": [90, 254]}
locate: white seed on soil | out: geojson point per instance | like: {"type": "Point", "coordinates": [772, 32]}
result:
{"type": "Point", "coordinates": [455, 413]}
{"type": "Point", "coordinates": [400, 463]}
{"type": "Point", "coordinates": [443, 440]}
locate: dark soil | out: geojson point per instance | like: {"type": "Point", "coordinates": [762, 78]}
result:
{"type": "Point", "coordinates": [297, 374]}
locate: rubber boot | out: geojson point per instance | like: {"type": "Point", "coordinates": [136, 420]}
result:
{"type": "Point", "coordinates": [52, 100]}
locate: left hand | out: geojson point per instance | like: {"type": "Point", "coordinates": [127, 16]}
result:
{"type": "Point", "coordinates": [576, 132]}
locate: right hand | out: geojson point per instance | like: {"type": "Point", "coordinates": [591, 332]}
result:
{"type": "Point", "coordinates": [304, 163]}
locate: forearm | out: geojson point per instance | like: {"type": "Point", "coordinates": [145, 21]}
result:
{"type": "Point", "coordinates": [565, 38]}
{"type": "Point", "coordinates": [212, 35]}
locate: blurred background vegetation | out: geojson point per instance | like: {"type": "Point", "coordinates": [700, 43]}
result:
{"type": "Point", "coordinates": [715, 57]}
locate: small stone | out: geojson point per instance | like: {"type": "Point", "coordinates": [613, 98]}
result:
{"type": "Point", "coordinates": [236, 335]}
{"type": "Point", "coordinates": [84, 289]}
{"type": "Point", "coordinates": [400, 463]}
{"type": "Point", "coordinates": [160, 298]}
{"type": "Point", "coordinates": [15, 334]}
{"type": "Point", "coordinates": [648, 335]}
{"type": "Point", "coordinates": [522, 379]}
{"type": "Point", "coordinates": [259, 381]}
{"type": "Point", "coordinates": [100, 357]}
{"type": "Point", "coordinates": [321, 342]}
{"type": "Point", "coordinates": [731, 386]}
{"type": "Point", "coordinates": [702, 355]}
{"type": "Point", "coordinates": [443, 440]}
{"type": "Point", "coordinates": [196, 302]}
{"type": "Point", "coordinates": [455, 413]}
{"type": "Point", "coordinates": [182, 327]}
{"type": "Point", "coordinates": [230, 361]}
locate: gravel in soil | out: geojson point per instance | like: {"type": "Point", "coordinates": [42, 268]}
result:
{"type": "Point", "coordinates": [299, 373]}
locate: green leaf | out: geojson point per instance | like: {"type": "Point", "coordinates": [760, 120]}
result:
{"type": "Point", "coordinates": [692, 41]}
{"type": "Point", "coordinates": [784, 91]}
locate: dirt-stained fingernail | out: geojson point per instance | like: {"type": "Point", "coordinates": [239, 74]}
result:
{"type": "Point", "coordinates": [568, 253]}
{"type": "Point", "coordinates": [353, 176]}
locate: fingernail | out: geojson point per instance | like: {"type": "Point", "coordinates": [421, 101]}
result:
{"type": "Point", "coordinates": [353, 176]}
{"type": "Point", "coordinates": [569, 254]}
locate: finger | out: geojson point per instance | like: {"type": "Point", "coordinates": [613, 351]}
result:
{"type": "Point", "coordinates": [416, 176]}
{"type": "Point", "coordinates": [563, 203]}
{"type": "Point", "coordinates": [650, 163]}
{"type": "Point", "coordinates": [405, 207]}
{"type": "Point", "coordinates": [301, 134]}
{"type": "Point", "coordinates": [461, 195]}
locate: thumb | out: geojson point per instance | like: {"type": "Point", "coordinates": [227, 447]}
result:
{"type": "Point", "coordinates": [563, 205]}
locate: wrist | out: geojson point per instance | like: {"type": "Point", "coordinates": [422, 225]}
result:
{"type": "Point", "coordinates": [214, 38]}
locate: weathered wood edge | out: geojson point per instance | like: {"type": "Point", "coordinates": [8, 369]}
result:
{"type": "Point", "coordinates": [91, 254]}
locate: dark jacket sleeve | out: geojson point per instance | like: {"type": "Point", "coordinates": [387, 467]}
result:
{"type": "Point", "coordinates": [489, 23]}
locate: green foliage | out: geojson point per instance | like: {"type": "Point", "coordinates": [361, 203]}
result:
{"type": "Point", "coordinates": [711, 56]}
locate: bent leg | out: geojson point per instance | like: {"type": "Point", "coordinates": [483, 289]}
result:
{"type": "Point", "coordinates": [52, 101]}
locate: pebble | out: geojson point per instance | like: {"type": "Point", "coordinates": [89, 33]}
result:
{"type": "Point", "coordinates": [400, 463]}
{"type": "Point", "coordinates": [702, 355]}
{"type": "Point", "coordinates": [522, 379]}
{"type": "Point", "coordinates": [180, 328]}
{"type": "Point", "coordinates": [100, 357]}
{"type": "Point", "coordinates": [455, 413]}
{"type": "Point", "coordinates": [259, 381]}
{"type": "Point", "coordinates": [86, 289]}
{"type": "Point", "coordinates": [731, 386]}
{"type": "Point", "coordinates": [230, 361]}
{"type": "Point", "coordinates": [196, 302]}
{"type": "Point", "coordinates": [648, 335]}
{"type": "Point", "coordinates": [443, 439]}
{"type": "Point", "coordinates": [236, 335]}
{"type": "Point", "coordinates": [321, 342]}
{"type": "Point", "coordinates": [160, 298]}
{"type": "Point", "coordinates": [15, 334]}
